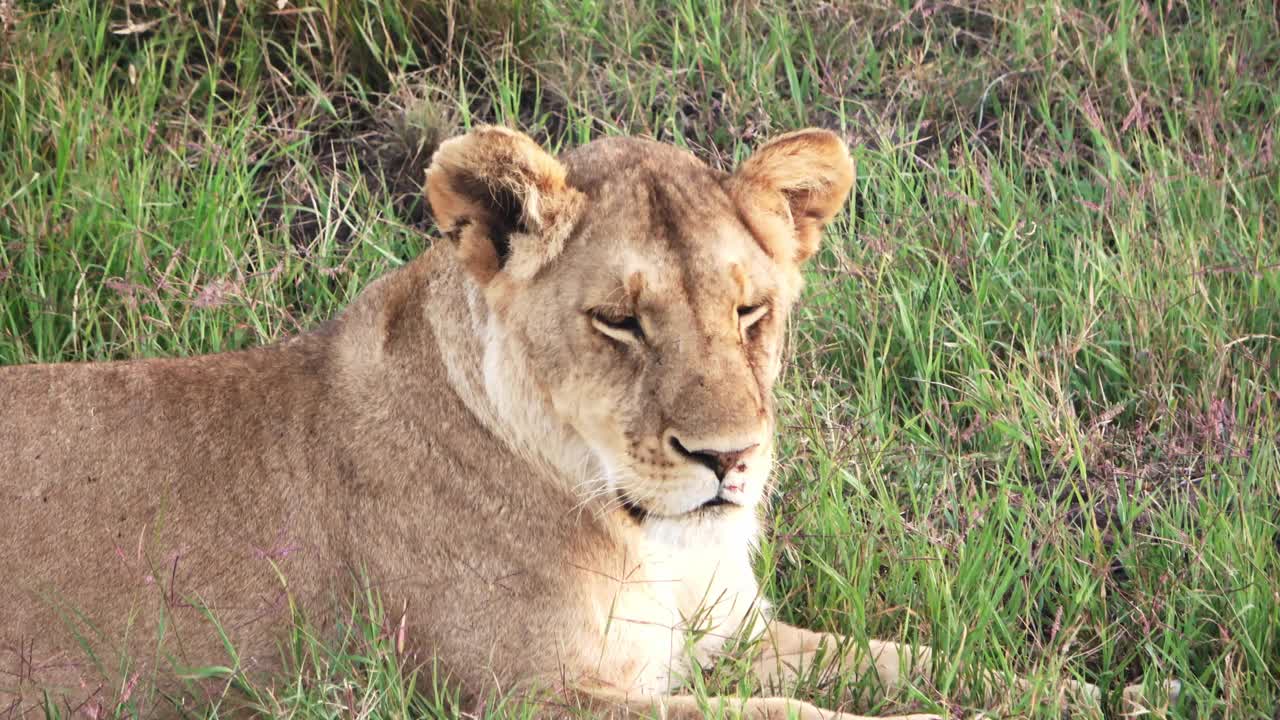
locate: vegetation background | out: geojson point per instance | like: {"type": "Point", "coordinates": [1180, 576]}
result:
{"type": "Point", "coordinates": [1033, 413]}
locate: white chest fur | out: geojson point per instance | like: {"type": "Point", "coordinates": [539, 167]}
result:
{"type": "Point", "coordinates": [688, 589]}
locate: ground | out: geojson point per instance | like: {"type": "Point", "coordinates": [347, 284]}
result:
{"type": "Point", "coordinates": [1033, 413]}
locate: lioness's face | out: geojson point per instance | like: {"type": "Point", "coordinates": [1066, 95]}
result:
{"type": "Point", "coordinates": [654, 325]}
{"type": "Point", "coordinates": [658, 331]}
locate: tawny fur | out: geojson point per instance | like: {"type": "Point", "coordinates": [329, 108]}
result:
{"type": "Point", "coordinates": [480, 435]}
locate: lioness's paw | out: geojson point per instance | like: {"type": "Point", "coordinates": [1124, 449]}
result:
{"type": "Point", "coordinates": [1136, 700]}
{"type": "Point", "coordinates": [831, 715]}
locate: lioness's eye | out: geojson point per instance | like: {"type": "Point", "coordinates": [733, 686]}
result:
{"type": "Point", "coordinates": [624, 328]}
{"type": "Point", "coordinates": [749, 315]}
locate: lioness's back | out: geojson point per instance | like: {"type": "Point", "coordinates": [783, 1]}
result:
{"type": "Point", "coordinates": [124, 481]}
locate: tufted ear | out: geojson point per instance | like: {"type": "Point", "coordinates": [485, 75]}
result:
{"type": "Point", "coordinates": [790, 188]}
{"type": "Point", "coordinates": [502, 200]}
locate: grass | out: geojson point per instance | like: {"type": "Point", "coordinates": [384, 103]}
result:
{"type": "Point", "coordinates": [1034, 411]}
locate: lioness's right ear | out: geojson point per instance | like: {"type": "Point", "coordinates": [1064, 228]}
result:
{"type": "Point", "coordinates": [503, 200]}
{"type": "Point", "coordinates": [790, 188]}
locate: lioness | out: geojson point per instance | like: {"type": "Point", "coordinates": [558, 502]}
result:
{"type": "Point", "coordinates": [547, 438]}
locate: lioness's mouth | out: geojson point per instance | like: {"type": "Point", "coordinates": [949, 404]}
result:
{"type": "Point", "coordinates": [639, 513]}
{"type": "Point", "coordinates": [715, 502]}
{"type": "Point", "coordinates": [633, 508]}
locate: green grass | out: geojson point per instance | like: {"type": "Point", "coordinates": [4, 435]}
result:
{"type": "Point", "coordinates": [1034, 411]}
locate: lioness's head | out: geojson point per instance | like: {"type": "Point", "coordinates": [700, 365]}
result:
{"type": "Point", "coordinates": [645, 295]}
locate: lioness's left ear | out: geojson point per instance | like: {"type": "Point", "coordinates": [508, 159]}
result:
{"type": "Point", "coordinates": [790, 188]}
{"type": "Point", "coordinates": [503, 200]}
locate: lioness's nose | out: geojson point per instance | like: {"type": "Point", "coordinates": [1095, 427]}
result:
{"type": "Point", "coordinates": [721, 462]}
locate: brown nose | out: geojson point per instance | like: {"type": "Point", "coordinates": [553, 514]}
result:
{"type": "Point", "coordinates": [721, 462]}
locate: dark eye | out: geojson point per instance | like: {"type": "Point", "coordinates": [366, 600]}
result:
{"type": "Point", "coordinates": [620, 327]}
{"type": "Point", "coordinates": [749, 315]}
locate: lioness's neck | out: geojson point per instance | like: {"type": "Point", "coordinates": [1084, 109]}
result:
{"type": "Point", "coordinates": [496, 384]}
{"type": "Point", "coordinates": [430, 313]}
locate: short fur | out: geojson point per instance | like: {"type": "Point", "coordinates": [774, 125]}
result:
{"type": "Point", "coordinates": [515, 438]}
